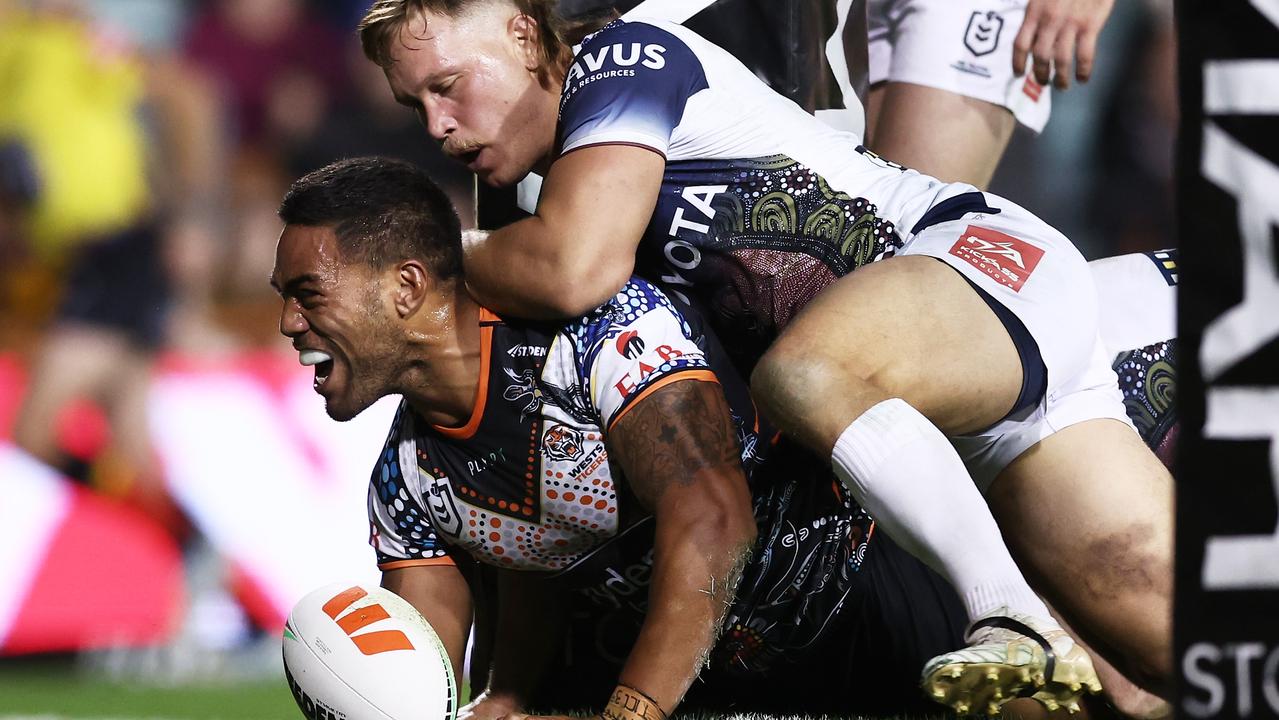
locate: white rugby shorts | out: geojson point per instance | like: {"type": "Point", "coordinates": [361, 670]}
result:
{"type": "Point", "coordinates": [1037, 274]}
{"type": "Point", "coordinates": [962, 46]}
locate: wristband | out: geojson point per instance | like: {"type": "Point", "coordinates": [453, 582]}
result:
{"type": "Point", "coordinates": [627, 703]}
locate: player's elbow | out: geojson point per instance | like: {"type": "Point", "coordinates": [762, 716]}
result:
{"type": "Point", "coordinates": [586, 286]}
{"type": "Point", "coordinates": [579, 300]}
{"type": "Point", "coordinates": [725, 524]}
{"type": "Point", "coordinates": [730, 527]}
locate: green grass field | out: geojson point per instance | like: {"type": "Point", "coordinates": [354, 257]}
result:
{"type": "Point", "coordinates": [47, 689]}
{"type": "Point", "coordinates": [58, 689]}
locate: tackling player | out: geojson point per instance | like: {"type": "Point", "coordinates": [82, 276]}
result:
{"type": "Point", "coordinates": [949, 79]}
{"type": "Point", "coordinates": [663, 154]}
{"type": "Point", "coordinates": [612, 467]}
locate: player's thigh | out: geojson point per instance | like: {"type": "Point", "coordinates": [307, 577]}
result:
{"type": "Point", "coordinates": [952, 137]}
{"type": "Point", "coordinates": [944, 99]}
{"type": "Point", "coordinates": [909, 327]}
{"type": "Point", "coordinates": [1088, 513]}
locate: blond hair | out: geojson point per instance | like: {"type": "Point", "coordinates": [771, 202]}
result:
{"type": "Point", "coordinates": [381, 26]}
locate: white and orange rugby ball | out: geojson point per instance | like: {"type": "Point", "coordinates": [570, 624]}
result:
{"type": "Point", "coordinates": [361, 652]}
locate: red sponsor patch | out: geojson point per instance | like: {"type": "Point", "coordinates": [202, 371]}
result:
{"type": "Point", "coordinates": [1004, 258]}
{"type": "Point", "coordinates": [1032, 88]}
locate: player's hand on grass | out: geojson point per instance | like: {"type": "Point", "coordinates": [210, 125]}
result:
{"type": "Point", "coordinates": [489, 706]}
{"type": "Point", "coordinates": [1060, 33]}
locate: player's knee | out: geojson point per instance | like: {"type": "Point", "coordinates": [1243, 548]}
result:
{"type": "Point", "coordinates": [812, 396]}
{"type": "Point", "coordinates": [787, 381]}
{"type": "Point", "coordinates": [785, 385]}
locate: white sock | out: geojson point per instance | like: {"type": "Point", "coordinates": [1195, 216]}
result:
{"type": "Point", "coordinates": [906, 474]}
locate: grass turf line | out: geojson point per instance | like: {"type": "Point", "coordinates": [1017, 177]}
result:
{"type": "Point", "coordinates": [37, 690]}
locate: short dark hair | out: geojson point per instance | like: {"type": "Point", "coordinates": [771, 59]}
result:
{"type": "Point", "coordinates": [382, 211]}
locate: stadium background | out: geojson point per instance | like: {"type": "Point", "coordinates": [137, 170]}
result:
{"type": "Point", "coordinates": [114, 603]}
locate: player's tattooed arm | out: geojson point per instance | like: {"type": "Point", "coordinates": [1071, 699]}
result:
{"type": "Point", "coordinates": [673, 434]}
{"type": "Point", "coordinates": [678, 452]}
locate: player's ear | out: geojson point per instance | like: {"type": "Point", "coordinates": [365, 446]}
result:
{"type": "Point", "coordinates": [527, 36]}
{"type": "Point", "coordinates": [411, 285]}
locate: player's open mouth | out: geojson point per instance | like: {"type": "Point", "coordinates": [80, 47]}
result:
{"type": "Point", "coordinates": [323, 363]}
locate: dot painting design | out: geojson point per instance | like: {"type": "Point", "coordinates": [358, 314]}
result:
{"type": "Point", "coordinates": [774, 199]}
{"type": "Point", "coordinates": [637, 298]}
{"type": "Point", "coordinates": [1148, 380]}
{"type": "Point", "coordinates": [419, 540]}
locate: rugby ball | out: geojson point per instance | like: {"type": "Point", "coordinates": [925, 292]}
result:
{"type": "Point", "coordinates": [361, 652]}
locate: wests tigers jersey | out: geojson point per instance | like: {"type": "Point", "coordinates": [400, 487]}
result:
{"type": "Point", "coordinates": [526, 483]}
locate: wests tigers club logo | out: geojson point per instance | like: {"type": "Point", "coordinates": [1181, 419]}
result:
{"type": "Point", "coordinates": [562, 442]}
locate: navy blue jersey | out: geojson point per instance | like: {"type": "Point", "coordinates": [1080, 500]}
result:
{"type": "Point", "coordinates": [761, 205]}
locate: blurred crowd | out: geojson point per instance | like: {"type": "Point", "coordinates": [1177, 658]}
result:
{"type": "Point", "coordinates": [144, 148]}
{"type": "Point", "coordinates": [145, 145]}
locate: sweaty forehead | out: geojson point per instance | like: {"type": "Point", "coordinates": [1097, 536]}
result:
{"type": "Point", "coordinates": [427, 40]}
{"type": "Point", "coordinates": [423, 34]}
{"type": "Point", "coordinates": [306, 251]}
{"type": "Point", "coordinates": [414, 55]}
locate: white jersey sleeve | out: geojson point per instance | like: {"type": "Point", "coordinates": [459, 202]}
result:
{"type": "Point", "coordinates": [629, 84]}
{"type": "Point", "coordinates": [633, 345]}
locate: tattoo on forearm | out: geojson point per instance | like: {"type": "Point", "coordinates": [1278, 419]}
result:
{"type": "Point", "coordinates": [627, 703]}
{"type": "Point", "coordinates": [674, 433]}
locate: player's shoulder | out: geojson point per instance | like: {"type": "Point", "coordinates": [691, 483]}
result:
{"type": "Point", "coordinates": [639, 29]}
{"type": "Point", "coordinates": [637, 298]}
{"type": "Point", "coordinates": [639, 302]}
{"type": "Point", "coordinates": [387, 466]}
{"type": "Point", "coordinates": [642, 44]}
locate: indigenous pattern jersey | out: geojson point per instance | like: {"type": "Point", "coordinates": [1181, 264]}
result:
{"type": "Point", "coordinates": [1148, 374]}
{"type": "Point", "coordinates": [527, 485]}
{"type": "Point", "coordinates": [761, 205]}
{"type": "Point", "coordinates": [1148, 381]}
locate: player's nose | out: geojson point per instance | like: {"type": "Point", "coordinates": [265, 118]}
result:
{"type": "Point", "coordinates": [439, 123]}
{"type": "Point", "coordinates": [292, 322]}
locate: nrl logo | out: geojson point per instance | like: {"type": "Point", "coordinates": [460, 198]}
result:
{"type": "Point", "coordinates": [982, 35]}
{"type": "Point", "coordinates": [439, 500]}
